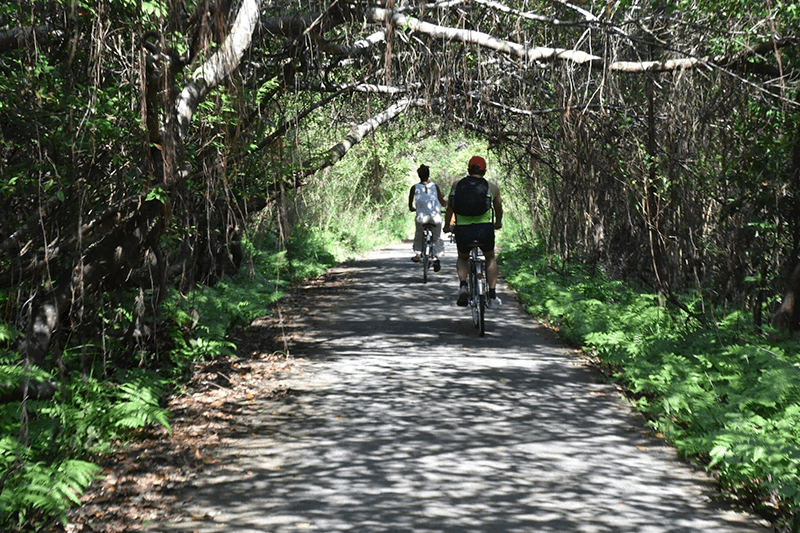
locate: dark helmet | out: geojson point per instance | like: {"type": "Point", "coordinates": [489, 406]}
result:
{"type": "Point", "coordinates": [477, 165]}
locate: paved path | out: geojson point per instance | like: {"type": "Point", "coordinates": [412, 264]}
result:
{"type": "Point", "coordinates": [402, 419]}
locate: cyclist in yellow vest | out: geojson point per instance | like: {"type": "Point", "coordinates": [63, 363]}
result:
{"type": "Point", "coordinates": [475, 226]}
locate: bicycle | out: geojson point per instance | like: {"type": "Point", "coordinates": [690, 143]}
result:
{"type": "Point", "coordinates": [427, 250]}
{"type": "Point", "coordinates": [477, 287]}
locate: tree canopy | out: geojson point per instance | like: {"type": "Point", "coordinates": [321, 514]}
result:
{"type": "Point", "coordinates": [125, 122]}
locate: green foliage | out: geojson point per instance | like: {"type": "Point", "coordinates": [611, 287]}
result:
{"type": "Point", "coordinates": [72, 129]}
{"type": "Point", "coordinates": [49, 468]}
{"type": "Point", "coordinates": [138, 402]}
{"type": "Point", "coordinates": [40, 488]}
{"type": "Point", "coordinates": [355, 206]}
{"type": "Point", "coordinates": [204, 318]}
{"type": "Point", "coordinates": [720, 393]}
{"type": "Point", "coordinates": [310, 253]}
{"type": "Point", "coordinates": [154, 9]}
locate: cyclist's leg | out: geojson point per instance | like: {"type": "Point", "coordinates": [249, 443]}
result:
{"type": "Point", "coordinates": [487, 237]}
{"type": "Point", "coordinates": [491, 269]}
{"type": "Point", "coordinates": [462, 265]}
{"type": "Point", "coordinates": [463, 238]}
{"type": "Point", "coordinates": [418, 240]}
{"type": "Point", "coordinates": [437, 246]}
{"type": "Point", "coordinates": [436, 234]}
{"type": "Point", "coordinates": [492, 300]}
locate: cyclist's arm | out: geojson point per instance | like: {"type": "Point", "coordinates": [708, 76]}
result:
{"type": "Point", "coordinates": [442, 199]}
{"type": "Point", "coordinates": [448, 216]}
{"type": "Point", "coordinates": [411, 199]}
{"type": "Point", "coordinates": [497, 203]}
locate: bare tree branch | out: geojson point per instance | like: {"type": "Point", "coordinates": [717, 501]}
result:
{"type": "Point", "coordinates": [544, 53]}
{"type": "Point", "coordinates": [359, 47]}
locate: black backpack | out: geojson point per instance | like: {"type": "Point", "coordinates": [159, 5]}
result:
{"type": "Point", "coordinates": [471, 197]}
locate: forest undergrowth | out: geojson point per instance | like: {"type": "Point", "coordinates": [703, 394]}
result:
{"type": "Point", "coordinates": [726, 395]}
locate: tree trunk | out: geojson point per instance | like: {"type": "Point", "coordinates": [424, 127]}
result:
{"type": "Point", "coordinates": [786, 317]}
{"type": "Point", "coordinates": [123, 248]}
{"type": "Point", "coordinates": [105, 263]}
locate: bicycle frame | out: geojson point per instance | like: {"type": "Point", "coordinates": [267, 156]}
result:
{"type": "Point", "coordinates": [427, 250]}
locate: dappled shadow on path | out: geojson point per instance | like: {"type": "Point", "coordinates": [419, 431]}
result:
{"type": "Point", "coordinates": [387, 303]}
{"type": "Point", "coordinates": [404, 420]}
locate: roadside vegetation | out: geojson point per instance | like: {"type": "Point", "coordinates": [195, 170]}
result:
{"type": "Point", "coordinates": [723, 392]}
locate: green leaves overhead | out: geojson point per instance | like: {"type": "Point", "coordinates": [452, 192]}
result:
{"type": "Point", "coordinates": [155, 9]}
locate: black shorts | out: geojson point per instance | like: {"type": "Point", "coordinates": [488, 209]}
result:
{"type": "Point", "coordinates": [482, 233]}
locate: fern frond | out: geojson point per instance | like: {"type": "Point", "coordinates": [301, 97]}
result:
{"type": "Point", "coordinates": [138, 407]}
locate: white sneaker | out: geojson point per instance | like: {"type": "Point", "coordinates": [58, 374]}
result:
{"type": "Point", "coordinates": [494, 303]}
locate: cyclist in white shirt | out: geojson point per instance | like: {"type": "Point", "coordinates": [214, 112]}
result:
{"type": "Point", "coordinates": [426, 199]}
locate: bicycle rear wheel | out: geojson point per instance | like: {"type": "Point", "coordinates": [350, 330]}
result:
{"type": "Point", "coordinates": [474, 299]}
{"type": "Point", "coordinates": [481, 307]}
{"type": "Point", "coordinates": [425, 263]}
{"type": "Point", "coordinates": [477, 294]}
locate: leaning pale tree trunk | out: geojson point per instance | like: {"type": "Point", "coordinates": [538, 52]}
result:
{"type": "Point", "coordinates": [355, 136]}
{"type": "Point", "coordinates": [116, 254]}
{"type": "Point", "coordinates": [220, 66]}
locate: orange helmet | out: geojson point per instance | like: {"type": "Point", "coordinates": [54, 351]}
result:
{"type": "Point", "coordinates": [477, 164]}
